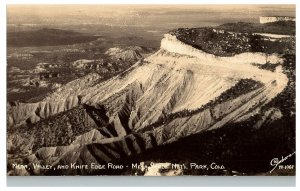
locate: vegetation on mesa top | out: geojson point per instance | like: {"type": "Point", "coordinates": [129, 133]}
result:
{"type": "Point", "coordinates": [46, 37]}
{"type": "Point", "coordinates": [235, 38]}
{"type": "Point", "coordinates": [280, 27]}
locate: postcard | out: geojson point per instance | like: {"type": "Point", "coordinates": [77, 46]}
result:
{"type": "Point", "coordinates": [151, 90]}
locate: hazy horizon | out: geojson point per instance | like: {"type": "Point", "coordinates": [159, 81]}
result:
{"type": "Point", "coordinates": [142, 15]}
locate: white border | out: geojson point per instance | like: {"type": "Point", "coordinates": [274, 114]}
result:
{"type": "Point", "coordinates": [150, 2]}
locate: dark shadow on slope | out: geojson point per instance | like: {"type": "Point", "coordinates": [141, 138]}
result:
{"type": "Point", "coordinates": [237, 146]}
{"type": "Point", "coordinates": [242, 87]}
{"type": "Point", "coordinates": [101, 120]}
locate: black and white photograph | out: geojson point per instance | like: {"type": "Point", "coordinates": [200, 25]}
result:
{"type": "Point", "coordinates": [151, 90]}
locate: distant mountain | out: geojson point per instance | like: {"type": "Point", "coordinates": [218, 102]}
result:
{"type": "Point", "coordinates": [132, 53]}
{"type": "Point", "coordinates": [46, 37]}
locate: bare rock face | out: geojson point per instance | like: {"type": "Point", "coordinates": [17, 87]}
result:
{"type": "Point", "coordinates": [176, 92]}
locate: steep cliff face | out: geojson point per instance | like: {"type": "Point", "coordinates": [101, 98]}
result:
{"type": "Point", "coordinates": [172, 44]}
{"type": "Point", "coordinates": [174, 93]}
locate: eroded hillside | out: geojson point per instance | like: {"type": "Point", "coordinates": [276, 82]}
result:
{"type": "Point", "coordinates": [180, 91]}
